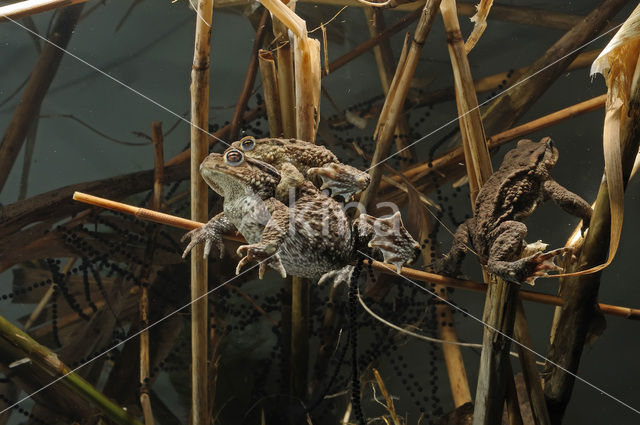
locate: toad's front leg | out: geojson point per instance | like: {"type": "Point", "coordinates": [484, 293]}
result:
{"type": "Point", "coordinates": [507, 246]}
{"type": "Point", "coordinates": [265, 252]}
{"type": "Point", "coordinates": [568, 201]}
{"type": "Point", "coordinates": [211, 234]}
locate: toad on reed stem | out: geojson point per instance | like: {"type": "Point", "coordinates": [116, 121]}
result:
{"type": "Point", "coordinates": [496, 232]}
{"type": "Point", "coordinates": [311, 238]}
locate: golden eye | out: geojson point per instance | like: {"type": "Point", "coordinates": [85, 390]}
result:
{"type": "Point", "coordinates": [247, 143]}
{"type": "Point", "coordinates": [234, 157]}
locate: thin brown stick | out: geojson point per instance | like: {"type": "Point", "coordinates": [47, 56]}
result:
{"type": "Point", "coordinates": [199, 149]}
{"type": "Point", "coordinates": [250, 78]}
{"type": "Point", "coordinates": [155, 203]}
{"type": "Point", "coordinates": [395, 101]}
{"type": "Point", "coordinates": [384, 62]}
{"type": "Point", "coordinates": [158, 165]}
{"type": "Point", "coordinates": [36, 89]}
{"type": "Point", "coordinates": [398, 26]}
{"type": "Point", "coordinates": [413, 274]}
{"type": "Point", "coordinates": [271, 92]}
{"type": "Point", "coordinates": [387, 397]}
{"type": "Point", "coordinates": [47, 296]}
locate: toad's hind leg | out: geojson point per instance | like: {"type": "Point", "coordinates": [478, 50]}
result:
{"type": "Point", "coordinates": [506, 248]}
{"type": "Point", "coordinates": [389, 236]}
{"type": "Point", "coordinates": [450, 263]}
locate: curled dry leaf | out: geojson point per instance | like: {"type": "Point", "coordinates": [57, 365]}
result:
{"type": "Point", "coordinates": [617, 63]}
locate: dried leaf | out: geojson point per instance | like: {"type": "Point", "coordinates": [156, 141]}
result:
{"type": "Point", "coordinates": [480, 20]}
{"type": "Point", "coordinates": [617, 63]}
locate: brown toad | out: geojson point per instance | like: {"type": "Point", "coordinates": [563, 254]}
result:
{"type": "Point", "coordinates": [311, 238]}
{"type": "Point", "coordinates": [496, 232]}
{"type": "Point", "coordinates": [310, 160]}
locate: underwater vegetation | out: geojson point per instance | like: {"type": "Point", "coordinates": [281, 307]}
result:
{"type": "Point", "coordinates": [352, 168]}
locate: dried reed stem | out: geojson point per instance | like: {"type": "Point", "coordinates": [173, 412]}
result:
{"type": "Point", "coordinates": [199, 149]}
{"type": "Point", "coordinates": [387, 397]}
{"type": "Point", "coordinates": [158, 164]}
{"type": "Point", "coordinates": [418, 275]}
{"type": "Point", "coordinates": [399, 25]}
{"type": "Point", "coordinates": [530, 373]}
{"type": "Point", "coordinates": [395, 101]}
{"type": "Point", "coordinates": [498, 311]}
{"type": "Point", "coordinates": [271, 92]}
{"type": "Point", "coordinates": [384, 62]}
{"type": "Point", "coordinates": [155, 203]}
{"type": "Point", "coordinates": [36, 89]}
{"type": "Point", "coordinates": [250, 78]}
{"type": "Point", "coordinates": [307, 87]}
{"type": "Point", "coordinates": [47, 296]}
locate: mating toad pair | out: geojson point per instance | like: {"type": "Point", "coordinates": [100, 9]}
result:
{"type": "Point", "coordinates": [313, 237]}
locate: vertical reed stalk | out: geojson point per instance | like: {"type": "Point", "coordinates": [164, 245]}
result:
{"type": "Point", "coordinates": [199, 149]}
{"type": "Point", "coordinates": [529, 368]}
{"type": "Point", "coordinates": [271, 92]}
{"type": "Point", "coordinates": [394, 103]}
{"type": "Point", "coordinates": [499, 308]}
{"type": "Point", "coordinates": [307, 87]}
{"type": "Point", "coordinates": [285, 76]}
{"type": "Point", "coordinates": [384, 62]}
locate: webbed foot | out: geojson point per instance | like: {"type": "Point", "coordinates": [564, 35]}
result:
{"type": "Point", "coordinates": [338, 277]}
{"type": "Point", "coordinates": [393, 240]}
{"type": "Point", "coordinates": [265, 255]}
{"type": "Point", "coordinates": [209, 234]}
{"type": "Point", "coordinates": [341, 179]}
{"type": "Point", "coordinates": [530, 268]}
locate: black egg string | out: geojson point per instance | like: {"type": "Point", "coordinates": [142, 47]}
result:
{"type": "Point", "coordinates": [21, 410]}
{"type": "Point", "coordinates": [60, 282]}
{"type": "Point", "coordinates": [410, 382]}
{"type": "Point", "coordinates": [353, 340]}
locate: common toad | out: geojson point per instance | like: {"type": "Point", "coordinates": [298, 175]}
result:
{"type": "Point", "coordinates": [310, 160]}
{"type": "Point", "coordinates": [496, 232]}
{"type": "Point", "coordinates": [310, 238]}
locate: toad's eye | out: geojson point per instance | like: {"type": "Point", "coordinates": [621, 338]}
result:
{"type": "Point", "coordinates": [247, 143]}
{"type": "Point", "coordinates": [234, 157]}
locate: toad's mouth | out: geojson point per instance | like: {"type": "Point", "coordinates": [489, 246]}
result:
{"type": "Point", "coordinates": [218, 178]}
